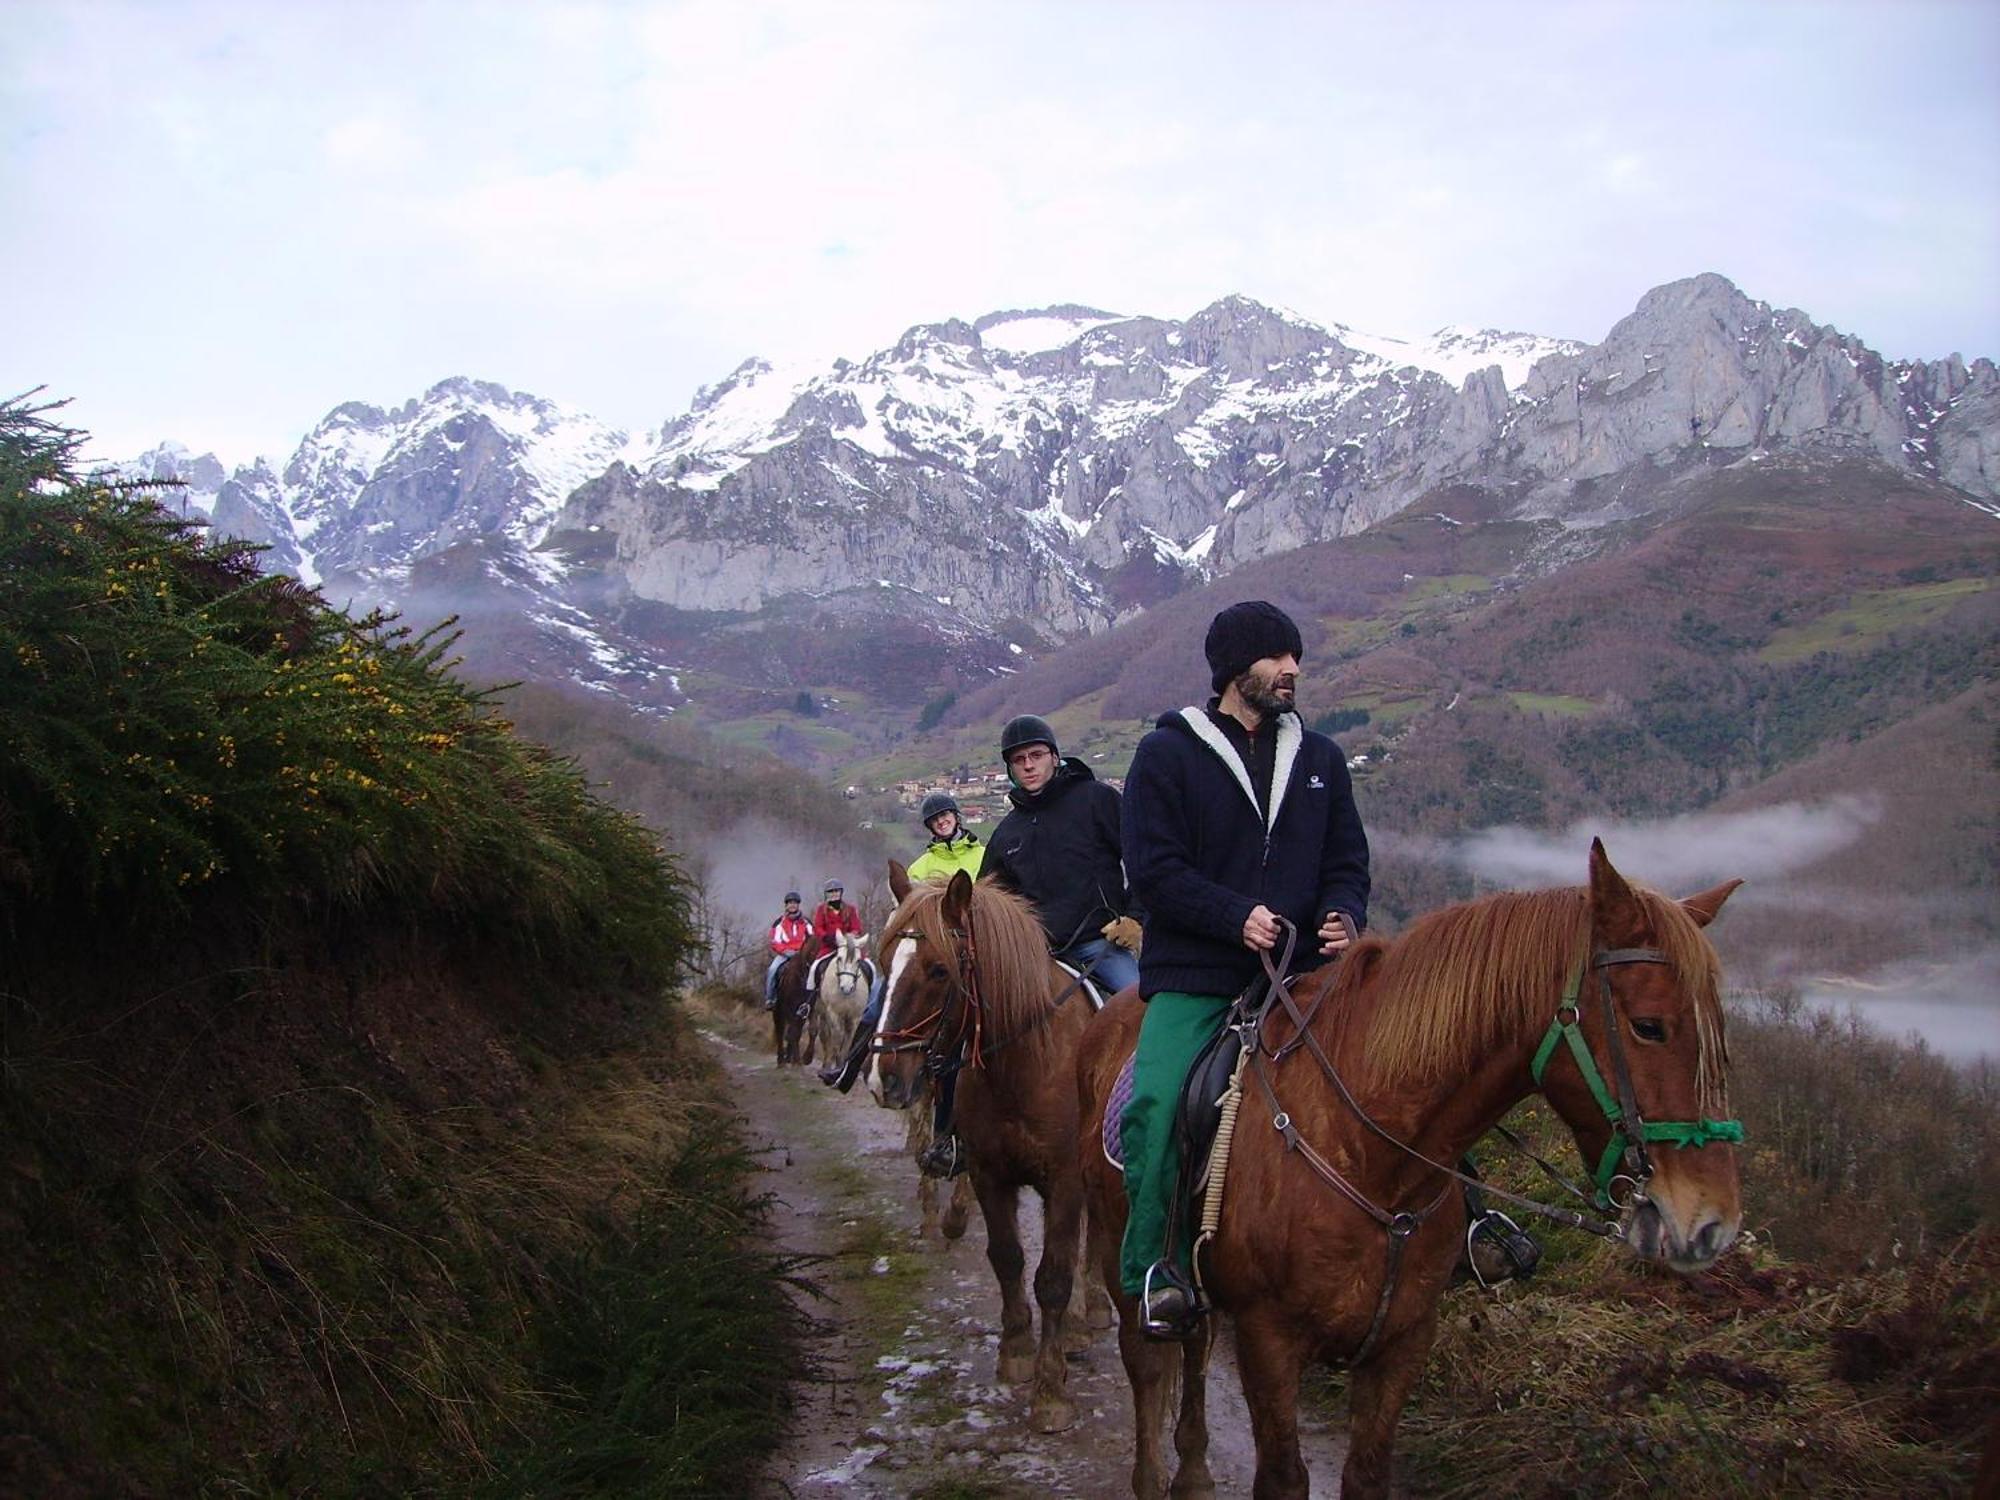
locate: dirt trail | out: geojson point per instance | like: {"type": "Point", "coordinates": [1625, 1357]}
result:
{"type": "Point", "coordinates": [908, 1404]}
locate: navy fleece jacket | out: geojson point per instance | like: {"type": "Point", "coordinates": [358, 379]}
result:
{"type": "Point", "coordinates": [1199, 857]}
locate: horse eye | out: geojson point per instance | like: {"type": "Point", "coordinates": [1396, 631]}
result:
{"type": "Point", "coordinates": [1649, 1030]}
{"type": "Point", "coordinates": [939, 972]}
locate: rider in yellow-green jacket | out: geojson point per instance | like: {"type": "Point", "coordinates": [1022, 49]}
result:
{"type": "Point", "coordinates": [953, 846]}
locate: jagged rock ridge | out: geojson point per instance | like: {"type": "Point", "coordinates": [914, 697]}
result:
{"type": "Point", "coordinates": [1036, 473]}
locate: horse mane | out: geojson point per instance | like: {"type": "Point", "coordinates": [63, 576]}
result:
{"type": "Point", "coordinates": [1470, 978]}
{"type": "Point", "coordinates": [1007, 936]}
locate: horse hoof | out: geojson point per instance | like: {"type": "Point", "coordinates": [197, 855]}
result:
{"type": "Point", "coordinates": [954, 1223]}
{"type": "Point", "coordinates": [1193, 1487]}
{"type": "Point", "coordinates": [1016, 1369]}
{"type": "Point", "coordinates": [1057, 1415]}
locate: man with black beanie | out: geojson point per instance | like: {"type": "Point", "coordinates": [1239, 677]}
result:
{"type": "Point", "coordinates": [1235, 815]}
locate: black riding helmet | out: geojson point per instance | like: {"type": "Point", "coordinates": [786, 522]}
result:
{"type": "Point", "coordinates": [1027, 729]}
{"type": "Point", "coordinates": [939, 802]}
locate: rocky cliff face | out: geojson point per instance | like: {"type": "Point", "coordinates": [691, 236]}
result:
{"type": "Point", "coordinates": [1033, 475]}
{"type": "Point", "coordinates": [1014, 467]}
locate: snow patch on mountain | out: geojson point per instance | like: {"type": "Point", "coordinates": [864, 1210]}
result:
{"type": "Point", "coordinates": [1025, 333]}
{"type": "Point", "coordinates": [1456, 353]}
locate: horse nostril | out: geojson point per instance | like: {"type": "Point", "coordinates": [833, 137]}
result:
{"type": "Point", "coordinates": [1712, 1239]}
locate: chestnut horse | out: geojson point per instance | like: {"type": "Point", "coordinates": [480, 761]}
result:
{"type": "Point", "coordinates": [1340, 1227]}
{"type": "Point", "coordinates": [971, 985]}
{"type": "Point", "coordinates": [794, 1007]}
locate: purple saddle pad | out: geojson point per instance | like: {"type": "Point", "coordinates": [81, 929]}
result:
{"type": "Point", "coordinates": [1114, 1116]}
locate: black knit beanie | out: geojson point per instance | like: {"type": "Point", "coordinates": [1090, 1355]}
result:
{"type": "Point", "coordinates": [1244, 633]}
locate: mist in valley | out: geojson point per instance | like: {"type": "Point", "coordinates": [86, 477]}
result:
{"type": "Point", "coordinates": [1791, 905]}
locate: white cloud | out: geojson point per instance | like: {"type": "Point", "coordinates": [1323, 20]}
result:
{"type": "Point", "coordinates": [1677, 855]}
{"type": "Point", "coordinates": [267, 209]}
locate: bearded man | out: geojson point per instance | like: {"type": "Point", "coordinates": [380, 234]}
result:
{"type": "Point", "coordinates": [1234, 815]}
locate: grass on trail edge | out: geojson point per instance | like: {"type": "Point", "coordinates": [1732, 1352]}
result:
{"type": "Point", "coordinates": [668, 1353]}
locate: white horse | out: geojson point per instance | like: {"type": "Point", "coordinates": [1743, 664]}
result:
{"type": "Point", "coordinates": [843, 995]}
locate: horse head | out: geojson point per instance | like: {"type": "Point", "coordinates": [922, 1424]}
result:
{"type": "Point", "coordinates": [847, 963]}
{"type": "Point", "coordinates": [923, 995]}
{"type": "Point", "coordinates": [1644, 1087]}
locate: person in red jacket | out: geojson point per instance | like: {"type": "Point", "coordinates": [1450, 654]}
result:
{"type": "Point", "coordinates": [834, 916]}
{"type": "Point", "coordinates": [789, 933]}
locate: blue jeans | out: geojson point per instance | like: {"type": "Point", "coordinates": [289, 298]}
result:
{"type": "Point", "coordinates": [771, 981]}
{"type": "Point", "coordinates": [874, 1011]}
{"type": "Point", "coordinates": [1115, 968]}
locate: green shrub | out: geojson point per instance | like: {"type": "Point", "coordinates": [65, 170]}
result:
{"type": "Point", "coordinates": [180, 734]}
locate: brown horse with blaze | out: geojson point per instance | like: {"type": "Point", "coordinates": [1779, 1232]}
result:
{"type": "Point", "coordinates": [971, 986]}
{"type": "Point", "coordinates": [1340, 1229]}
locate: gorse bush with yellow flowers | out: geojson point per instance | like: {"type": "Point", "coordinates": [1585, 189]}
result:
{"type": "Point", "coordinates": [181, 735]}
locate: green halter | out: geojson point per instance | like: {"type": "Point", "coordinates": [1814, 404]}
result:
{"type": "Point", "coordinates": [1564, 1027]}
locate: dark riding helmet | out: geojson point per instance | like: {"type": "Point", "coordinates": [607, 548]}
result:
{"type": "Point", "coordinates": [1027, 729]}
{"type": "Point", "coordinates": [793, 896]}
{"type": "Point", "coordinates": [938, 802]}
{"type": "Point", "coordinates": [831, 886]}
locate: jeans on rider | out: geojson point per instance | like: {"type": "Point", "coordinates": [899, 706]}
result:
{"type": "Point", "coordinates": [771, 981]}
{"type": "Point", "coordinates": [1115, 967]}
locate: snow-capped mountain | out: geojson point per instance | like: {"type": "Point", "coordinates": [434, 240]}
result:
{"type": "Point", "coordinates": [371, 491]}
{"type": "Point", "coordinates": [195, 478]}
{"type": "Point", "coordinates": [1034, 474]}
{"type": "Point", "coordinates": [1055, 466]}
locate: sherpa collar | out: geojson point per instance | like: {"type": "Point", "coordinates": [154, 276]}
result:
{"type": "Point", "coordinates": [1290, 737]}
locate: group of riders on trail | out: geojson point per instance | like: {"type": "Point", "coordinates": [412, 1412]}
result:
{"type": "Point", "coordinates": [1212, 882]}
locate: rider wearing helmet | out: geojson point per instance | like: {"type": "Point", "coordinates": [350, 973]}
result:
{"type": "Point", "coordinates": [789, 933]}
{"type": "Point", "coordinates": [1061, 848]}
{"type": "Point", "coordinates": [833, 916]}
{"type": "Point", "coordinates": [953, 846]}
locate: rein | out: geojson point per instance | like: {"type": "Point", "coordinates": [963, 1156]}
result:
{"type": "Point", "coordinates": [969, 1048]}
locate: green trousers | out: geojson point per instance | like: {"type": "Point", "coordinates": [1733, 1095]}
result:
{"type": "Point", "coordinates": [1176, 1028]}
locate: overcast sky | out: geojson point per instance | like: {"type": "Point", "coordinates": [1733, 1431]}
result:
{"type": "Point", "coordinates": [222, 220]}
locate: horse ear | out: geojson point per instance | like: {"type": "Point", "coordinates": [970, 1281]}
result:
{"type": "Point", "coordinates": [957, 899]}
{"type": "Point", "coordinates": [1704, 907]}
{"type": "Point", "coordinates": [899, 882]}
{"type": "Point", "coordinates": [1614, 911]}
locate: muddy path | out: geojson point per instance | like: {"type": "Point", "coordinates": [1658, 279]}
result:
{"type": "Point", "coordinates": [907, 1404]}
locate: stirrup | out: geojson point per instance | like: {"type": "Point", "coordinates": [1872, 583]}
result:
{"type": "Point", "coordinates": [1508, 1251]}
{"type": "Point", "coordinates": [943, 1157]}
{"type": "Point", "coordinates": [1169, 1306]}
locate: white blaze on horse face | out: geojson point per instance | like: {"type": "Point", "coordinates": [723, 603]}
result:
{"type": "Point", "coordinates": [905, 950]}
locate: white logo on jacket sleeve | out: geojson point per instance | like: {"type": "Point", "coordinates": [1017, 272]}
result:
{"type": "Point", "coordinates": [1315, 783]}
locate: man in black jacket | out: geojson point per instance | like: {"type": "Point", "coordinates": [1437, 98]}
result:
{"type": "Point", "coordinates": [1235, 815]}
{"type": "Point", "coordinates": [1059, 847]}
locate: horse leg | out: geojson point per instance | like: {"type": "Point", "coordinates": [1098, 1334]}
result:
{"type": "Point", "coordinates": [1090, 1307]}
{"type": "Point", "coordinates": [1000, 1203]}
{"type": "Point", "coordinates": [1269, 1355]}
{"type": "Point", "coordinates": [1055, 1278]}
{"type": "Point", "coordinates": [916, 1136]}
{"type": "Point", "coordinates": [959, 1210]}
{"type": "Point", "coordinates": [1377, 1393]}
{"type": "Point", "coordinates": [1192, 1480]}
{"type": "Point", "coordinates": [1149, 1367]}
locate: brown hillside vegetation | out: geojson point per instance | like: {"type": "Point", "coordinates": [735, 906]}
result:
{"type": "Point", "coordinates": [1929, 876]}
{"type": "Point", "coordinates": [1721, 627]}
